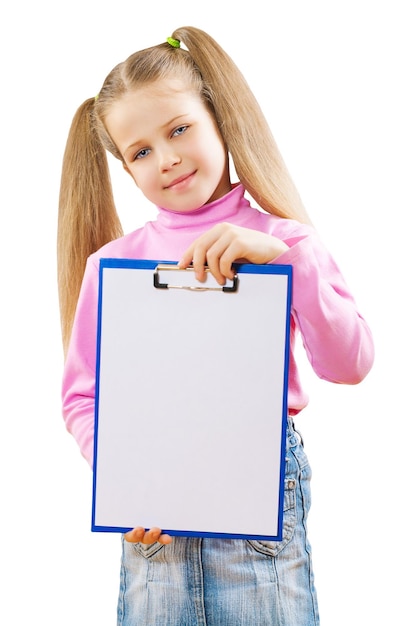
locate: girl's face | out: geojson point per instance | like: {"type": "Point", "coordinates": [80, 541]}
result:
{"type": "Point", "coordinates": [171, 145]}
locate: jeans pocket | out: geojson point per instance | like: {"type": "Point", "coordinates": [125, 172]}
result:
{"type": "Point", "coordinates": [268, 548]}
{"type": "Point", "coordinates": [147, 550]}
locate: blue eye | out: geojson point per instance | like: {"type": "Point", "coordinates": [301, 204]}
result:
{"type": "Point", "coordinates": [142, 153]}
{"type": "Point", "coordinates": [179, 131]}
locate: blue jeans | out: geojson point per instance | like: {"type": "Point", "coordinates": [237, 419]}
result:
{"type": "Point", "coordinates": [222, 582]}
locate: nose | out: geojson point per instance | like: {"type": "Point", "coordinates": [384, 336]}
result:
{"type": "Point", "coordinates": [168, 159]}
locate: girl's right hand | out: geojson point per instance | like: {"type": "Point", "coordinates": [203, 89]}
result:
{"type": "Point", "coordinates": [223, 244]}
{"type": "Point", "coordinates": [140, 535]}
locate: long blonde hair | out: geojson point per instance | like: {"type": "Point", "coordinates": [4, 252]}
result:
{"type": "Point", "coordinates": [87, 214]}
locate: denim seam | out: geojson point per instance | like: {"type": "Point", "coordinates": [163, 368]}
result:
{"type": "Point", "coordinates": [198, 580]}
{"type": "Point", "coordinates": [308, 551]}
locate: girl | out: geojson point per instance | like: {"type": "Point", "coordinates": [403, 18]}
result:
{"type": "Point", "coordinates": [174, 117]}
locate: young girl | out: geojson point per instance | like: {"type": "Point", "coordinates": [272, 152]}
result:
{"type": "Point", "coordinates": [174, 117]}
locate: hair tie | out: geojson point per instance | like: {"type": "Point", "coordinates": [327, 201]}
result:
{"type": "Point", "coordinates": [173, 42]}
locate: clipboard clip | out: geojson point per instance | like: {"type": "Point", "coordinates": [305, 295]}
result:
{"type": "Point", "coordinates": [159, 285]}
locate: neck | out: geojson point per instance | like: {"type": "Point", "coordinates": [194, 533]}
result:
{"type": "Point", "coordinates": [211, 213]}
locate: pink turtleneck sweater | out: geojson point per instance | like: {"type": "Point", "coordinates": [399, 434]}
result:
{"type": "Point", "coordinates": [336, 338]}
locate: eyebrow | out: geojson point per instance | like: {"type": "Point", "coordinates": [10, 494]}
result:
{"type": "Point", "coordinates": [140, 141]}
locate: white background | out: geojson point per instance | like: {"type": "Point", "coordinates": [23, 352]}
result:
{"type": "Point", "coordinates": [337, 82]}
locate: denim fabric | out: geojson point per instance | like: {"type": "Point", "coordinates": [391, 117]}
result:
{"type": "Point", "coordinates": [222, 582]}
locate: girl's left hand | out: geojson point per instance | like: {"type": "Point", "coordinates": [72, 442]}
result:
{"type": "Point", "coordinates": [140, 535]}
{"type": "Point", "coordinates": [224, 244]}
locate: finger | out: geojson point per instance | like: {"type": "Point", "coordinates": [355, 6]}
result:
{"type": "Point", "coordinates": [151, 535]}
{"type": "Point", "coordinates": [196, 256]}
{"type": "Point", "coordinates": [155, 534]}
{"type": "Point", "coordinates": [186, 258]}
{"type": "Point", "coordinates": [199, 261]}
{"type": "Point", "coordinates": [196, 253]}
{"type": "Point", "coordinates": [221, 256]}
{"type": "Point", "coordinates": [135, 535]}
{"type": "Point", "coordinates": [233, 253]}
{"type": "Point", "coordinates": [140, 535]}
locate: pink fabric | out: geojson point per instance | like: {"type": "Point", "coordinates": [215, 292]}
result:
{"type": "Point", "coordinates": [336, 338]}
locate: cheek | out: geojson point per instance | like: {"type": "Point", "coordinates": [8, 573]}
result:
{"type": "Point", "coordinates": [211, 150]}
{"type": "Point", "coordinates": [142, 178]}
{"type": "Point", "coordinates": [130, 173]}
{"type": "Point", "coordinates": [218, 156]}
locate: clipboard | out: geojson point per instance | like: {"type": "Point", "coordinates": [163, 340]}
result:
{"type": "Point", "coordinates": [191, 400]}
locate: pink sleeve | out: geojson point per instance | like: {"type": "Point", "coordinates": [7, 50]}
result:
{"type": "Point", "coordinates": [337, 340]}
{"type": "Point", "coordinates": [78, 388]}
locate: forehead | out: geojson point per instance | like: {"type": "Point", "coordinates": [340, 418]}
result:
{"type": "Point", "coordinates": [153, 100]}
{"type": "Point", "coordinates": [139, 113]}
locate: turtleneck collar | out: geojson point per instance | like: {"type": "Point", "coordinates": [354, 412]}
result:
{"type": "Point", "coordinates": [219, 210]}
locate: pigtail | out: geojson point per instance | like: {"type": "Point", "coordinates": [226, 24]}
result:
{"type": "Point", "coordinates": [257, 160]}
{"type": "Point", "coordinates": [87, 216]}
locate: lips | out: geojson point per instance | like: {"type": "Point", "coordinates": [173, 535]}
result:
{"type": "Point", "coordinates": [179, 180]}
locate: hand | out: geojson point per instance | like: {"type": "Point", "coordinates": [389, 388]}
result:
{"type": "Point", "coordinates": [224, 244]}
{"type": "Point", "coordinates": [140, 535]}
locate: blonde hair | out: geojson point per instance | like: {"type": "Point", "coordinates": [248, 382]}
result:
{"type": "Point", "coordinates": [87, 214]}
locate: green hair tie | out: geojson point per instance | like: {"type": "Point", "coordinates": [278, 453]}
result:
{"type": "Point", "coordinates": [173, 42]}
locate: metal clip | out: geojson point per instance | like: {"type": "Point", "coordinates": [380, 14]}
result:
{"type": "Point", "coordinates": [158, 285]}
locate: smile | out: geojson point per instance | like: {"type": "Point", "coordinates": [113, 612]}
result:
{"type": "Point", "coordinates": [181, 181]}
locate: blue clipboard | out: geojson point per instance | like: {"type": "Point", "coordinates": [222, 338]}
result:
{"type": "Point", "coordinates": [191, 400]}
